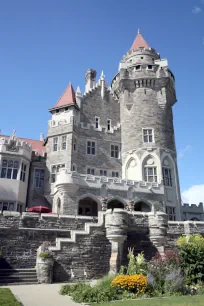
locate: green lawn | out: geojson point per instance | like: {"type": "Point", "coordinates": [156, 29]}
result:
{"type": "Point", "coordinates": [177, 301]}
{"type": "Point", "coordinates": [7, 298]}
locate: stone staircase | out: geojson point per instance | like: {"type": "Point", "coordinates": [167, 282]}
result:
{"type": "Point", "coordinates": [18, 277]}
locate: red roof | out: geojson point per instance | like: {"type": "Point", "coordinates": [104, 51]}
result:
{"type": "Point", "coordinates": [139, 42]}
{"type": "Point", "coordinates": [67, 98]}
{"type": "Point", "coordinates": [37, 145]}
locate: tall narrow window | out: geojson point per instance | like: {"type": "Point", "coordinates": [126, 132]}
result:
{"type": "Point", "coordinates": [64, 142]}
{"type": "Point", "coordinates": [91, 148]}
{"type": "Point", "coordinates": [39, 178]}
{"type": "Point", "coordinates": [171, 213]}
{"type": "Point", "coordinates": [150, 174]}
{"type": "Point", "coordinates": [108, 124]}
{"type": "Point", "coordinates": [55, 143]}
{"type": "Point", "coordinates": [167, 177]}
{"type": "Point", "coordinates": [23, 172]}
{"type": "Point", "coordinates": [91, 171]}
{"type": "Point", "coordinates": [74, 144]}
{"type": "Point", "coordinates": [115, 151]}
{"type": "Point", "coordinates": [147, 135]}
{"type": "Point", "coordinates": [96, 122]}
{"type": "Point", "coordinates": [9, 169]}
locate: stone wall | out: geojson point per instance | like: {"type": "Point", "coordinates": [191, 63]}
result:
{"type": "Point", "coordinates": [21, 235]}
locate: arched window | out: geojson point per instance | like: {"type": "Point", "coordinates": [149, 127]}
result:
{"type": "Point", "coordinates": [150, 170]}
{"type": "Point", "coordinates": [142, 206]}
{"type": "Point", "coordinates": [9, 169]}
{"type": "Point", "coordinates": [88, 207]}
{"type": "Point", "coordinates": [115, 204]}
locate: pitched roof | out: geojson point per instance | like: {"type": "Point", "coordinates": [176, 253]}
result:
{"type": "Point", "coordinates": [139, 42]}
{"type": "Point", "coordinates": [37, 145]}
{"type": "Point", "coordinates": [67, 98]}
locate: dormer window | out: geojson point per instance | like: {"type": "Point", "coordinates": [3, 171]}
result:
{"type": "Point", "coordinates": [138, 67]}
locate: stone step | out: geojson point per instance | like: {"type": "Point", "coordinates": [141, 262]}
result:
{"type": "Point", "coordinates": [18, 276]}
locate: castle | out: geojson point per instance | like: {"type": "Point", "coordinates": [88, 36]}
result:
{"type": "Point", "coordinates": [107, 171]}
{"type": "Point", "coordinates": [110, 147]}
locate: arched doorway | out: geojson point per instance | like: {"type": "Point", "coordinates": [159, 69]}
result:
{"type": "Point", "coordinates": [88, 207]}
{"type": "Point", "coordinates": [115, 204]}
{"type": "Point", "coordinates": [142, 206]}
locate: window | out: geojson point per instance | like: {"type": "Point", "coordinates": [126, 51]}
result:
{"type": "Point", "coordinates": [91, 147]}
{"type": "Point", "coordinates": [54, 170]}
{"type": "Point", "coordinates": [97, 119]}
{"type": "Point", "coordinates": [66, 109]}
{"type": "Point", "coordinates": [150, 174]}
{"type": "Point", "coordinates": [103, 173]}
{"type": "Point", "coordinates": [39, 178]}
{"type": "Point", "coordinates": [64, 142]}
{"type": "Point", "coordinates": [149, 67]}
{"type": "Point", "coordinates": [141, 57]}
{"type": "Point", "coordinates": [115, 151]}
{"type": "Point", "coordinates": [74, 168]}
{"type": "Point", "coordinates": [23, 172]}
{"type": "Point", "coordinates": [55, 143]}
{"type": "Point", "coordinates": [9, 169]}
{"type": "Point", "coordinates": [6, 206]}
{"type": "Point", "coordinates": [115, 174]}
{"type": "Point", "coordinates": [171, 212]}
{"type": "Point", "coordinates": [57, 111]}
{"type": "Point", "coordinates": [91, 171]}
{"type": "Point", "coordinates": [108, 124]}
{"type": "Point", "coordinates": [138, 67]}
{"type": "Point", "coordinates": [74, 144]}
{"type": "Point", "coordinates": [147, 135]}
{"type": "Point", "coordinates": [20, 208]}
{"type": "Point", "coordinates": [167, 177]}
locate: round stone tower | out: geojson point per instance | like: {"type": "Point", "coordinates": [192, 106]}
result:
{"type": "Point", "coordinates": [145, 89]}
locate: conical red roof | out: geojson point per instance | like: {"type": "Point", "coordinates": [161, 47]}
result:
{"type": "Point", "coordinates": [139, 42]}
{"type": "Point", "coordinates": [67, 98]}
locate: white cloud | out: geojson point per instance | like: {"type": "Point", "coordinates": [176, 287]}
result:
{"type": "Point", "coordinates": [181, 153]}
{"type": "Point", "coordinates": [196, 10]}
{"type": "Point", "coordinates": [193, 195]}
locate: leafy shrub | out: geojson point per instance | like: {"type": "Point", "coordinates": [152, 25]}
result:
{"type": "Point", "coordinates": [191, 250]}
{"type": "Point", "coordinates": [132, 283]}
{"type": "Point", "coordinates": [45, 255]}
{"type": "Point", "coordinates": [136, 264]}
{"type": "Point", "coordinates": [164, 273]}
{"type": "Point", "coordinates": [69, 289]}
{"type": "Point", "coordinates": [85, 293]}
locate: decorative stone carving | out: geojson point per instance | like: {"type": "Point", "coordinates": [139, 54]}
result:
{"type": "Point", "coordinates": [44, 264]}
{"type": "Point", "coordinates": [104, 204]}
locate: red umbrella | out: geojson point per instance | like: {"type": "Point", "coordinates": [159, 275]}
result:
{"type": "Point", "coordinates": [40, 209]}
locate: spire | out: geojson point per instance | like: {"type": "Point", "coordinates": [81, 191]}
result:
{"type": "Point", "coordinates": [67, 98]}
{"type": "Point", "coordinates": [139, 42]}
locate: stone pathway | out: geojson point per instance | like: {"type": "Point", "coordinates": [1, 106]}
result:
{"type": "Point", "coordinates": [41, 295]}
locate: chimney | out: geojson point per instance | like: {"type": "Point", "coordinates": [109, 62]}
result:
{"type": "Point", "coordinates": [90, 79]}
{"type": "Point", "coordinates": [41, 137]}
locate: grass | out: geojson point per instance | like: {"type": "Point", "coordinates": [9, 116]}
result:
{"type": "Point", "coordinates": [172, 301]}
{"type": "Point", "coordinates": [7, 298]}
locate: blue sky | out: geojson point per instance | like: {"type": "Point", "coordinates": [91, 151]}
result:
{"type": "Point", "coordinates": [44, 44]}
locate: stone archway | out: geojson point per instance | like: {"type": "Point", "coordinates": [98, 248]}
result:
{"type": "Point", "coordinates": [88, 207]}
{"type": "Point", "coordinates": [114, 203]}
{"type": "Point", "coordinates": [142, 206]}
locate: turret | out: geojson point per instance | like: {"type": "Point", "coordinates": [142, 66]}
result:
{"type": "Point", "coordinates": [90, 79]}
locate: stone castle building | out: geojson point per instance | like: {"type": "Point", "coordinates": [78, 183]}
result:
{"type": "Point", "coordinates": [110, 147]}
